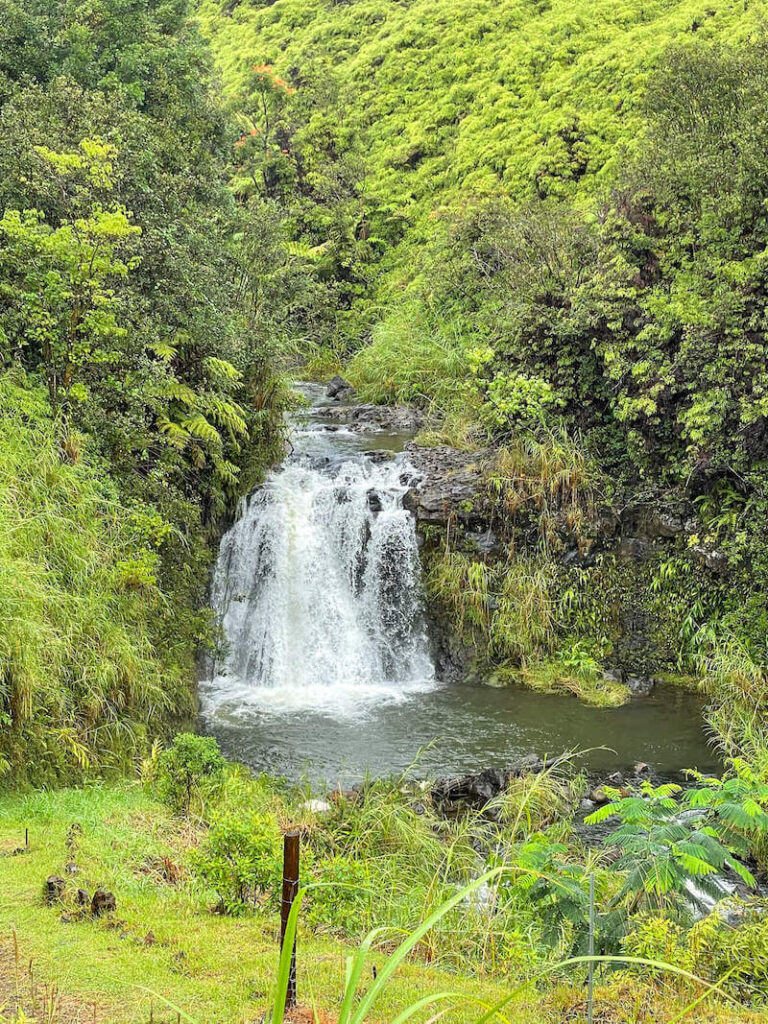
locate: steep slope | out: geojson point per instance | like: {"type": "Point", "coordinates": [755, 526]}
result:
{"type": "Point", "coordinates": [519, 97]}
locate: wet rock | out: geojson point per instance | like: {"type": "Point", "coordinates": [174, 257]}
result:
{"type": "Point", "coordinates": [374, 501]}
{"type": "Point", "coordinates": [377, 456]}
{"type": "Point", "coordinates": [451, 486]}
{"type": "Point", "coordinates": [598, 795]}
{"type": "Point", "coordinates": [613, 675]}
{"type": "Point", "coordinates": [616, 779]}
{"type": "Point", "coordinates": [640, 686]}
{"type": "Point", "coordinates": [711, 559]}
{"type": "Point", "coordinates": [475, 790]}
{"type": "Point", "coordinates": [55, 886]}
{"type": "Point", "coordinates": [418, 808]}
{"type": "Point", "coordinates": [373, 417]}
{"type": "Point", "coordinates": [103, 902]}
{"type": "Point", "coordinates": [641, 769]}
{"type": "Point", "coordinates": [339, 388]}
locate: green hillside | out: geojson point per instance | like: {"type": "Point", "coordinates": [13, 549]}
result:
{"type": "Point", "coordinates": [455, 97]}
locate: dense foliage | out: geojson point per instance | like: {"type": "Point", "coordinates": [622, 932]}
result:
{"type": "Point", "coordinates": [125, 297]}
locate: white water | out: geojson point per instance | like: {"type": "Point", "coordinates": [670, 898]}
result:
{"type": "Point", "coordinates": [317, 586]}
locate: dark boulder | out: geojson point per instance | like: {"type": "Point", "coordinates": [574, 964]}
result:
{"type": "Point", "coordinates": [339, 388]}
{"type": "Point", "coordinates": [640, 686]}
{"type": "Point", "coordinates": [55, 887]}
{"type": "Point", "coordinates": [475, 790]}
{"type": "Point", "coordinates": [103, 902]}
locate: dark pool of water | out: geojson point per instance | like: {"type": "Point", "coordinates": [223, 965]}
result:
{"type": "Point", "coordinates": [455, 728]}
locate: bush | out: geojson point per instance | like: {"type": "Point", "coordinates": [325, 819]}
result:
{"type": "Point", "coordinates": [346, 898]}
{"type": "Point", "coordinates": [241, 860]}
{"type": "Point", "coordinates": [191, 766]}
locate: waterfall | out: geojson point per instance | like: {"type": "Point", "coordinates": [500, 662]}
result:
{"type": "Point", "coordinates": [317, 588]}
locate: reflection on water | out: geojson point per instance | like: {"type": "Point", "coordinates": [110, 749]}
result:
{"type": "Point", "coordinates": [465, 728]}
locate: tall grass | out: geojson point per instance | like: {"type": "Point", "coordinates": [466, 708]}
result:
{"type": "Point", "coordinates": [508, 606]}
{"type": "Point", "coordinates": [358, 1002]}
{"type": "Point", "coordinates": [411, 359]}
{"type": "Point", "coordinates": [552, 480]}
{"type": "Point", "coordinates": [81, 681]}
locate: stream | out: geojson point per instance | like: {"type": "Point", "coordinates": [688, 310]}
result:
{"type": "Point", "coordinates": [327, 671]}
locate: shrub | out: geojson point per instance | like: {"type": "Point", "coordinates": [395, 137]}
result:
{"type": "Point", "coordinates": [191, 766]}
{"type": "Point", "coordinates": [241, 860]}
{"type": "Point", "coordinates": [673, 849]}
{"type": "Point", "coordinates": [347, 895]}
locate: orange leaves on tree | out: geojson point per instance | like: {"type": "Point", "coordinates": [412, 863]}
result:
{"type": "Point", "coordinates": [268, 74]}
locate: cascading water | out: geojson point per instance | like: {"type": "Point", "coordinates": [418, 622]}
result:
{"type": "Point", "coordinates": [318, 593]}
{"type": "Point", "coordinates": [317, 586]}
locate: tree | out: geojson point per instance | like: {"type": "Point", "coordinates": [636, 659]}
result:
{"type": "Point", "coordinates": [675, 847]}
{"type": "Point", "coordinates": [59, 307]}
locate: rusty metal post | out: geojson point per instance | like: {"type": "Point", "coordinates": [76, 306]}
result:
{"type": "Point", "coordinates": [290, 888]}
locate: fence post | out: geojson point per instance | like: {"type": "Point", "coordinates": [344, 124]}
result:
{"type": "Point", "coordinates": [591, 984]}
{"type": "Point", "coordinates": [290, 888]}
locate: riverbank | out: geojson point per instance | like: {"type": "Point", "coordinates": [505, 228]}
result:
{"type": "Point", "coordinates": [185, 940]}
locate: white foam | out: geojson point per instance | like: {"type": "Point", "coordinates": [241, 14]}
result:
{"type": "Point", "coordinates": [318, 591]}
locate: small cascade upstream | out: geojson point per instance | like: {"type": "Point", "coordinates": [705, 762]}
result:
{"type": "Point", "coordinates": [318, 586]}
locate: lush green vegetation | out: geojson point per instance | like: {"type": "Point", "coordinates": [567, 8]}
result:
{"type": "Point", "coordinates": [542, 222]}
{"type": "Point", "coordinates": [137, 397]}
{"type": "Point", "coordinates": [383, 858]}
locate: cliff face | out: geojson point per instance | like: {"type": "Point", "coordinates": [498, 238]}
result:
{"type": "Point", "coordinates": [496, 540]}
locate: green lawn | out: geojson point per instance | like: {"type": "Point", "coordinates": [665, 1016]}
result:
{"type": "Point", "coordinates": [166, 957]}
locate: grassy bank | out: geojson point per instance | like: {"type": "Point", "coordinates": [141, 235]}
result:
{"type": "Point", "coordinates": [165, 947]}
{"type": "Point", "coordinates": [187, 942]}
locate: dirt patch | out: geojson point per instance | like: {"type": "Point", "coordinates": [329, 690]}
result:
{"type": "Point", "coordinates": [307, 1015]}
{"type": "Point", "coordinates": [22, 990]}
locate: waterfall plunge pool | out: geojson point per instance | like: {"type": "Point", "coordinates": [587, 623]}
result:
{"type": "Point", "coordinates": [328, 673]}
